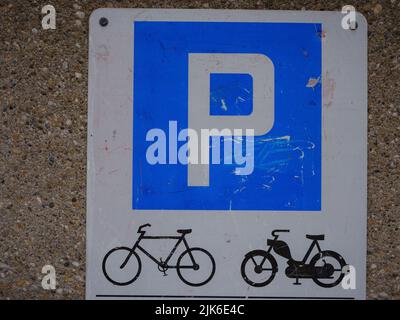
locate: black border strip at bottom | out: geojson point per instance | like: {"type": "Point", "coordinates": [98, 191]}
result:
{"type": "Point", "coordinates": [218, 297]}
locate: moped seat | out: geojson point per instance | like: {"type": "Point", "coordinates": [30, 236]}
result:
{"type": "Point", "coordinates": [184, 231]}
{"type": "Point", "coordinates": [315, 236]}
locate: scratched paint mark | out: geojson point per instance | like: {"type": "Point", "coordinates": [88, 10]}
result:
{"type": "Point", "coordinates": [276, 157]}
{"type": "Point", "coordinates": [107, 148]}
{"type": "Point", "coordinates": [322, 34]}
{"type": "Point", "coordinates": [239, 190]}
{"type": "Point", "coordinates": [312, 82]}
{"type": "Point", "coordinates": [328, 90]}
{"type": "Point", "coordinates": [223, 105]}
{"type": "Point", "coordinates": [268, 182]}
{"type": "Point", "coordinates": [102, 53]}
{"type": "Point", "coordinates": [230, 94]}
{"type": "Point", "coordinates": [301, 156]}
{"type": "Point", "coordinates": [287, 138]}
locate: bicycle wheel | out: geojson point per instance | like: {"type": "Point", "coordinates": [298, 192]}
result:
{"type": "Point", "coordinates": [329, 266]}
{"type": "Point", "coordinates": [113, 261]}
{"type": "Point", "coordinates": [195, 267]}
{"type": "Point", "coordinates": [258, 268]}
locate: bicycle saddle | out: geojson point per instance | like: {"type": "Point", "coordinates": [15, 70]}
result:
{"type": "Point", "coordinates": [184, 231]}
{"type": "Point", "coordinates": [315, 236]}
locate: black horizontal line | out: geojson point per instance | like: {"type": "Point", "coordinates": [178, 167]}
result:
{"type": "Point", "coordinates": [214, 297]}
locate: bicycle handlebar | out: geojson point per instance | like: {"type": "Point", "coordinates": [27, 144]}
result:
{"type": "Point", "coordinates": [143, 226]}
{"type": "Point", "coordinates": [276, 231]}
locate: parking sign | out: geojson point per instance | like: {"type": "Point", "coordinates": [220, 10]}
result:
{"type": "Point", "coordinates": [226, 154]}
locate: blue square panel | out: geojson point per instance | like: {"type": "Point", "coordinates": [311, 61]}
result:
{"type": "Point", "coordinates": [231, 94]}
{"type": "Point", "coordinates": [287, 159]}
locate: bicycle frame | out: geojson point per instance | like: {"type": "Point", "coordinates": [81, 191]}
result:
{"type": "Point", "coordinates": [179, 239]}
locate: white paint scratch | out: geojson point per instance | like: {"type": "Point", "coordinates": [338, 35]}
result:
{"type": "Point", "coordinates": [312, 82]}
{"type": "Point", "coordinates": [239, 190]}
{"type": "Point", "coordinates": [223, 105]}
{"type": "Point", "coordinates": [287, 138]}
{"type": "Point", "coordinates": [301, 152]}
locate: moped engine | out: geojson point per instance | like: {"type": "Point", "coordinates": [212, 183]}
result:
{"type": "Point", "coordinates": [302, 270]}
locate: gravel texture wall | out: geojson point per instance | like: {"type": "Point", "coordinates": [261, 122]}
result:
{"type": "Point", "coordinates": [43, 117]}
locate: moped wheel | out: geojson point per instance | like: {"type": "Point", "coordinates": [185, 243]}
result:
{"type": "Point", "coordinates": [258, 268]}
{"type": "Point", "coordinates": [199, 273]}
{"type": "Point", "coordinates": [117, 273]}
{"type": "Point", "coordinates": [328, 262]}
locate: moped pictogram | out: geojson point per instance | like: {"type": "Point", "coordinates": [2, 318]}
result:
{"type": "Point", "coordinates": [325, 268]}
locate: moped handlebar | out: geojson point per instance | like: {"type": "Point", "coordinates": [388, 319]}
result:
{"type": "Point", "coordinates": [143, 226]}
{"type": "Point", "coordinates": [276, 231]}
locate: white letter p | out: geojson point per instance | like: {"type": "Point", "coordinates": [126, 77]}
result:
{"type": "Point", "coordinates": [261, 120]}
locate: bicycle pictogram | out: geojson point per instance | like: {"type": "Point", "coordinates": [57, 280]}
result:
{"type": "Point", "coordinates": [195, 266]}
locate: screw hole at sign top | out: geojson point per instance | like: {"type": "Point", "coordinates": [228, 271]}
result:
{"type": "Point", "coordinates": [103, 21]}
